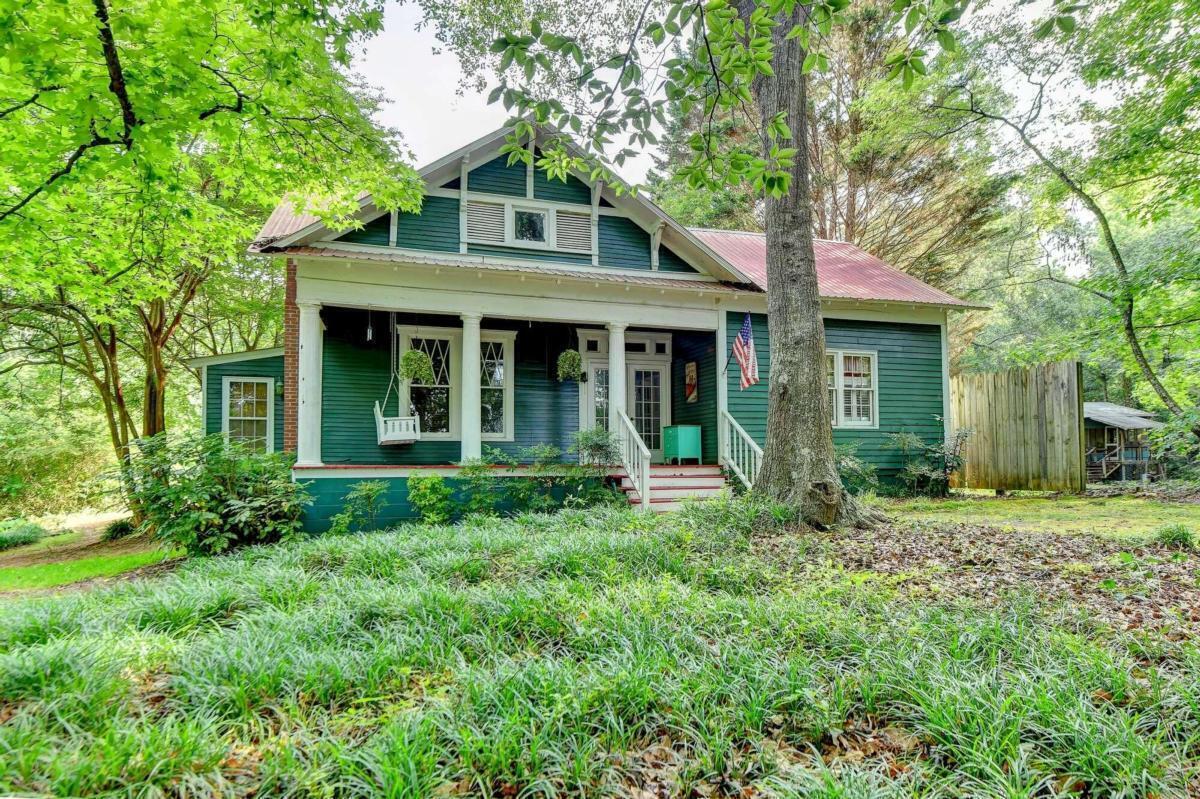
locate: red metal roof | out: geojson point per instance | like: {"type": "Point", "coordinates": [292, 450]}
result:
{"type": "Point", "coordinates": [843, 270]}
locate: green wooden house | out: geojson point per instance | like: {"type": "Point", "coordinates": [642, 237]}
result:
{"type": "Point", "coordinates": [502, 271]}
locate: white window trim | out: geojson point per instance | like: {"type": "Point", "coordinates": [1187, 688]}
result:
{"type": "Point", "coordinates": [583, 334]}
{"type": "Point", "coordinates": [514, 204]}
{"type": "Point", "coordinates": [509, 339]}
{"type": "Point", "coordinates": [454, 335]}
{"type": "Point", "coordinates": [839, 420]}
{"type": "Point", "coordinates": [270, 383]}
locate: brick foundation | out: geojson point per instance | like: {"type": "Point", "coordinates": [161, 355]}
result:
{"type": "Point", "coordinates": [291, 358]}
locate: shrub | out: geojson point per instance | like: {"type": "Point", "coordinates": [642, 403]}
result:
{"type": "Point", "coordinates": [928, 467]}
{"type": "Point", "coordinates": [479, 489]}
{"type": "Point", "coordinates": [588, 482]}
{"type": "Point", "coordinates": [364, 502]}
{"type": "Point", "coordinates": [431, 497]}
{"type": "Point", "coordinates": [1175, 536]}
{"type": "Point", "coordinates": [208, 497]}
{"type": "Point", "coordinates": [116, 530]}
{"type": "Point", "coordinates": [19, 532]}
{"type": "Point", "coordinates": [536, 492]}
{"type": "Point", "coordinates": [858, 476]}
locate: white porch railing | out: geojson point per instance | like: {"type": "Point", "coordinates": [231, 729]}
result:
{"type": "Point", "coordinates": [741, 454]}
{"type": "Point", "coordinates": [635, 457]}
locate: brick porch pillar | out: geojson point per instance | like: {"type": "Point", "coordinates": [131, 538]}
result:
{"type": "Point", "coordinates": [291, 358]}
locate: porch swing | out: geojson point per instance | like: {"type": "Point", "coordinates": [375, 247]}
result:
{"type": "Point", "coordinates": [392, 430]}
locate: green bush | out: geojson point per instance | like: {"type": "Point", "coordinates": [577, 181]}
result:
{"type": "Point", "coordinates": [858, 476]}
{"type": "Point", "coordinates": [1175, 536]}
{"type": "Point", "coordinates": [928, 467]}
{"type": "Point", "coordinates": [121, 528]}
{"type": "Point", "coordinates": [19, 532]}
{"type": "Point", "coordinates": [208, 497]}
{"type": "Point", "coordinates": [479, 488]}
{"type": "Point", "coordinates": [431, 497]}
{"type": "Point", "coordinates": [364, 502]}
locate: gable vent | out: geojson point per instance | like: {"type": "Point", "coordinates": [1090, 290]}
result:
{"type": "Point", "coordinates": [485, 222]}
{"type": "Point", "coordinates": [574, 231]}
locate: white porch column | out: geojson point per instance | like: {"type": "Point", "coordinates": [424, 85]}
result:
{"type": "Point", "coordinates": [472, 442]}
{"type": "Point", "coordinates": [616, 373]}
{"type": "Point", "coordinates": [308, 400]}
{"type": "Point", "coordinates": [722, 336]}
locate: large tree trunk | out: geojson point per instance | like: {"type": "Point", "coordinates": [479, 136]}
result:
{"type": "Point", "coordinates": [799, 468]}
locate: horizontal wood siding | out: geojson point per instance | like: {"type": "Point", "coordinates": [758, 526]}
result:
{"type": "Point", "coordinates": [329, 497]}
{"type": "Point", "coordinates": [668, 261]}
{"type": "Point", "coordinates": [377, 232]}
{"type": "Point", "coordinates": [355, 375]}
{"type": "Point", "coordinates": [254, 367]}
{"type": "Point", "coordinates": [910, 383]}
{"type": "Point", "coordinates": [435, 228]}
{"type": "Point", "coordinates": [530, 254]}
{"type": "Point", "coordinates": [623, 244]}
{"type": "Point", "coordinates": [701, 348]}
{"type": "Point", "coordinates": [554, 190]}
{"type": "Point", "coordinates": [497, 177]}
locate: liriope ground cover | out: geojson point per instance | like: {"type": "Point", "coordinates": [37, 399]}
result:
{"type": "Point", "coordinates": [582, 654]}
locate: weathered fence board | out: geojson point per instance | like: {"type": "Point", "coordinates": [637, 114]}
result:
{"type": "Point", "coordinates": [1028, 428]}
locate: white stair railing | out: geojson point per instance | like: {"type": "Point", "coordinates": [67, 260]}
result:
{"type": "Point", "coordinates": [741, 453]}
{"type": "Point", "coordinates": [635, 457]}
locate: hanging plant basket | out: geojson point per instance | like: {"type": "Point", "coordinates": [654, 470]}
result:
{"type": "Point", "coordinates": [416, 367]}
{"type": "Point", "coordinates": [570, 365]}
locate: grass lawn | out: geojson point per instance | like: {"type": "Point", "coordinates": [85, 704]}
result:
{"type": "Point", "coordinates": [704, 653]}
{"type": "Point", "coordinates": [50, 575]}
{"type": "Point", "coordinates": [1128, 517]}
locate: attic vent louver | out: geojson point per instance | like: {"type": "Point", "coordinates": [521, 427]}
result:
{"type": "Point", "coordinates": [574, 231]}
{"type": "Point", "coordinates": [485, 222]}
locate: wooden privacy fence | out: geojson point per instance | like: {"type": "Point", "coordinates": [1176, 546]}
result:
{"type": "Point", "coordinates": [1028, 428]}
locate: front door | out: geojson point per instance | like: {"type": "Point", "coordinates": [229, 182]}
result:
{"type": "Point", "coordinates": [648, 402]}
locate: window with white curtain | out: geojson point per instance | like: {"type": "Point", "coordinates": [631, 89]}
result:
{"type": "Point", "coordinates": [853, 383]}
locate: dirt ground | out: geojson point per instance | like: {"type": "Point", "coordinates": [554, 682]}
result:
{"type": "Point", "coordinates": [1129, 587]}
{"type": "Point", "coordinates": [89, 526]}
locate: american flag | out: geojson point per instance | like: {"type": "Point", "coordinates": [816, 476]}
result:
{"type": "Point", "coordinates": [747, 358]}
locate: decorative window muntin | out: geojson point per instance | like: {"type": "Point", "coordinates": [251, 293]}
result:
{"type": "Point", "coordinates": [496, 386]}
{"type": "Point", "coordinates": [442, 400]}
{"type": "Point", "coordinates": [434, 401]}
{"type": "Point", "coordinates": [248, 412]}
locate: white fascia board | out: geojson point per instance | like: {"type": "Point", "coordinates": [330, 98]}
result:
{"type": "Point", "coordinates": [503, 295]}
{"type": "Point", "coordinates": [234, 357]}
{"type": "Point", "coordinates": [468, 260]}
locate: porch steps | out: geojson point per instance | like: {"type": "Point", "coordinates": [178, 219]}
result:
{"type": "Point", "coordinates": [671, 485]}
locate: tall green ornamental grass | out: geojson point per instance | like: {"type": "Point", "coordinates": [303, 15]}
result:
{"type": "Point", "coordinates": [19, 532]}
{"type": "Point", "coordinates": [588, 653]}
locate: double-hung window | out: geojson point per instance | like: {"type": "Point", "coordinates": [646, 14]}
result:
{"type": "Point", "coordinates": [852, 380]}
{"type": "Point", "coordinates": [438, 402]}
{"type": "Point", "coordinates": [433, 401]}
{"type": "Point", "coordinates": [496, 383]}
{"type": "Point", "coordinates": [248, 412]}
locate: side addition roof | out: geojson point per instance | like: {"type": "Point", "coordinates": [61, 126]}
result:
{"type": "Point", "coordinates": [1120, 416]}
{"type": "Point", "coordinates": [843, 270]}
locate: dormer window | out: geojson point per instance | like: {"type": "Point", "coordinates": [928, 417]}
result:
{"type": "Point", "coordinates": [529, 226]}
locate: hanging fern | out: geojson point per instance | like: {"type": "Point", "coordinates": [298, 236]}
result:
{"type": "Point", "coordinates": [570, 365]}
{"type": "Point", "coordinates": [416, 367]}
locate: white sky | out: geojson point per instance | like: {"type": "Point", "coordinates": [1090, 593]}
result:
{"type": "Point", "coordinates": [422, 91]}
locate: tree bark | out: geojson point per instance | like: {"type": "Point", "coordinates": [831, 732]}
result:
{"type": "Point", "coordinates": [799, 468]}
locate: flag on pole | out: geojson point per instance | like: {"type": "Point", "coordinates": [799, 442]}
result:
{"type": "Point", "coordinates": [747, 358]}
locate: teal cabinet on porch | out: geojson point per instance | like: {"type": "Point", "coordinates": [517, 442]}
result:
{"type": "Point", "coordinates": [681, 441]}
